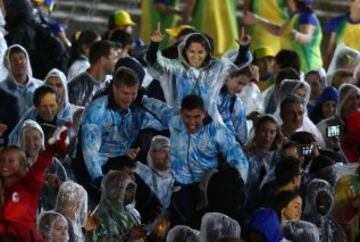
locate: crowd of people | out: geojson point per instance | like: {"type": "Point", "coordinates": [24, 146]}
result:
{"type": "Point", "coordinates": [108, 137]}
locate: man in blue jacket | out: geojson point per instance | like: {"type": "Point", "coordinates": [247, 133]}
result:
{"type": "Point", "coordinates": [196, 143]}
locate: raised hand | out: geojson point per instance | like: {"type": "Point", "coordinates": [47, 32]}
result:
{"type": "Point", "coordinates": [244, 38]}
{"type": "Point", "coordinates": [157, 36]}
{"type": "Point", "coordinates": [249, 18]}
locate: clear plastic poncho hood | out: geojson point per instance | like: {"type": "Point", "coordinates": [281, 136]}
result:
{"type": "Point", "coordinates": [46, 225]}
{"type": "Point", "coordinates": [300, 231]}
{"type": "Point", "coordinates": [182, 233]}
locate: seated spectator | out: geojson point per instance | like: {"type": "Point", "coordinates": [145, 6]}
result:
{"type": "Point", "coordinates": [20, 190]}
{"type": "Point", "coordinates": [215, 226]}
{"type": "Point", "coordinates": [349, 101]}
{"type": "Point", "coordinates": [322, 167]}
{"type": "Point", "coordinates": [288, 174]}
{"type": "Point", "coordinates": [181, 233]}
{"type": "Point", "coordinates": [52, 227]}
{"type": "Point", "coordinates": [319, 203]}
{"type": "Point", "coordinates": [19, 81]}
{"type": "Point", "coordinates": [264, 226]}
{"type": "Point", "coordinates": [288, 205]}
{"type": "Point", "coordinates": [346, 211]}
{"type": "Point", "coordinates": [177, 35]}
{"type": "Point", "coordinates": [342, 76]}
{"type": "Point", "coordinates": [300, 231]}
{"type": "Point", "coordinates": [9, 115]}
{"type": "Point", "coordinates": [325, 106]}
{"type": "Point", "coordinates": [45, 113]}
{"type": "Point", "coordinates": [32, 141]}
{"type": "Point", "coordinates": [72, 202]}
{"type": "Point", "coordinates": [264, 58]}
{"type": "Point", "coordinates": [124, 41]}
{"type": "Point", "coordinates": [292, 149]}
{"type": "Point", "coordinates": [230, 105]}
{"type": "Point", "coordinates": [351, 142]}
{"type": "Point", "coordinates": [156, 173]}
{"type": "Point", "coordinates": [83, 87]}
{"type": "Point", "coordinates": [79, 52]}
{"type": "Point", "coordinates": [115, 217]}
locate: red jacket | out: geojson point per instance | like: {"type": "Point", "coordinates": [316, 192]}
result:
{"type": "Point", "coordinates": [351, 143]}
{"type": "Point", "coordinates": [18, 215]}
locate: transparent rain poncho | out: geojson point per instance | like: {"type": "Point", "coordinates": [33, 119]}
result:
{"type": "Point", "coordinates": [72, 202]}
{"type": "Point", "coordinates": [182, 233]}
{"type": "Point", "coordinates": [319, 203]}
{"type": "Point", "coordinates": [116, 218]}
{"type": "Point", "coordinates": [215, 226]}
{"type": "Point", "coordinates": [290, 87]}
{"type": "Point", "coordinates": [48, 226]}
{"type": "Point", "coordinates": [344, 58]}
{"type": "Point", "coordinates": [300, 231]}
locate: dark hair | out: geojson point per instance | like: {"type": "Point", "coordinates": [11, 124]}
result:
{"type": "Point", "coordinates": [282, 199]}
{"type": "Point", "coordinates": [41, 91]}
{"type": "Point", "coordinates": [100, 49]}
{"type": "Point", "coordinates": [122, 37]}
{"type": "Point", "coordinates": [303, 7]}
{"type": "Point", "coordinates": [288, 59]}
{"type": "Point", "coordinates": [183, 33]}
{"type": "Point", "coordinates": [125, 76]}
{"type": "Point", "coordinates": [203, 40]}
{"type": "Point", "coordinates": [264, 119]}
{"type": "Point", "coordinates": [287, 73]}
{"type": "Point", "coordinates": [320, 162]}
{"type": "Point", "coordinates": [85, 38]}
{"type": "Point", "coordinates": [286, 170]}
{"type": "Point", "coordinates": [289, 145]}
{"type": "Point", "coordinates": [119, 163]}
{"type": "Point", "coordinates": [15, 50]}
{"type": "Point", "coordinates": [303, 137]}
{"type": "Point", "coordinates": [191, 102]}
{"type": "Point", "coordinates": [245, 71]}
{"type": "Point", "coordinates": [290, 99]}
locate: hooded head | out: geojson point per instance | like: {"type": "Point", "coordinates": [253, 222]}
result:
{"type": "Point", "coordinates": [159, 149]}
{"type": "Point", "coordinates": [32, 138]}
{"type": "Point", "coordinates": [118, 187]}
{"type": "Point", "coordinates": [57, 79]}
{"type": "Point", "coordinates": [317, 82]}
{"type": "Point", "coordinates": [300, 88]}
{"type": "Point", "coordinates": [181, 233]}
{"type": "Point", "coordinates": [349, 100]}
{"type": "Point", "coordinates": [319, 198]}
{"type": "Point", "coordinates": [196, 50]}
{"type": "Point", "coordinates": [17, 61]}
{"type": "Point", "coordinates": [72, 202]}
{"type": "Point", "coordinates": [300, 231]}
{"type": "Point", "coordinates": [53, 227]}
{"type": "Point", "coordinates": [17, 13]}
{"type": "Point", "coordinates": [328, 94]}
{"type": "Point", "coordinates": [215, 226]}
{"type": "Point", "coordinates": [265, 222]}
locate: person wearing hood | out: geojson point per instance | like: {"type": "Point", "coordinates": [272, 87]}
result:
{"type": "Point", "coordinates": [115, 219]}
{"type": "Point", "coordinates": [181, 233]}
{"type": "Point", "coordinates": [349, 101]}
{"type": "Point", "coordinates": [351, 144]}
{"type": "Point", "coordinates": [44, 112]}
{"type": "Point", "coordinates": [264, 226]}
{"type": "Point", "coordinates": [196, 143]}
{"type": "Point", "coordinates": [317, 83]}
{"type": "Point", "coordinates": [195, 71]}
{"type": "Point", "coordinates": [19, 81]}
{"type": "Point", "coordinates": [72, 202]}
{"type": "Point", "coordinates": [215, 226]}
{"type": "Point", "coordinates": [302, 90]}
{"type": "Point", "coordinates": [303, 29]}
{"type": "Point", "coordinates": [156, 173]}
{"type": "Point", "coordinates": [319, 203]}
{"type": "Point", "coordinates": [347, 203]}
{"type": "Point", "coordinates": [21, 187]}
{"type": "Point", "coordinates": [300, 231]}
{"type": "Point", "coordinates": [325, 106]}
{"type": "Point", "coordinates": [53, 227]}
{"type": "Point", "coordinates": [56, 79]}
{"type": "Point", "coordinates": [32, 141]}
